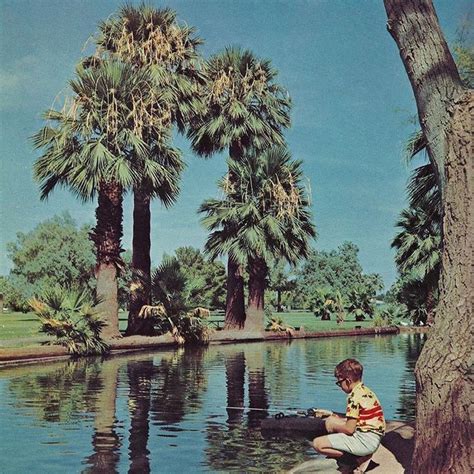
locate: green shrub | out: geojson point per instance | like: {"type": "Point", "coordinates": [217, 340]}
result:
{"type": "Point", "coordinates": [276, 324]}
{"type": "Point", "coordinates": [70, 315]}
{"type": "Point", "coordinates": [185, 327]}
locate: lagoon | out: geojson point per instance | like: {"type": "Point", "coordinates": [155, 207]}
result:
{"type": "Point", "coordinates": [168, 411]}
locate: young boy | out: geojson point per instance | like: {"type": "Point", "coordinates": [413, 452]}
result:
{"type": "Point", "coordinates": [361, 432]}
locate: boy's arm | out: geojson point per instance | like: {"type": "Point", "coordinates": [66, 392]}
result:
{"type": "Point", "coordinates": [337, 424]}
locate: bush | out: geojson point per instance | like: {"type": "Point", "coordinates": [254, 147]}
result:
{"type": "Point", "coordinates": [70, 315]}
{"type": "Point", "coordinates": [390, 313]}
{"type": "Point", "coordinates": [185, 327]}
{"type": "Point", "coordinates": [276, 324]}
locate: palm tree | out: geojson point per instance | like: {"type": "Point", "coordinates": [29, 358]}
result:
{"type": "Point", "coordinates": [95, 146]}
{"type": "Point", "coordinates": [418, 243]}
{"type": "Point", "coordinates": [418, 247]}
{"type": "Point", "coordinates": [245, 110]}
{"type": "Point", "coordinates": [264, 215]}
{"type": "Point", "coordinates": [152, 39]}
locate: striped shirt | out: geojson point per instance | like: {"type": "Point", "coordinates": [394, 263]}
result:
{"type": "Point", "coordinates": [364, 406]}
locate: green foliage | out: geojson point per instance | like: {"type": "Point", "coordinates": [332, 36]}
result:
{"type": "Point", "coordinates": [412, 291]}
{"type": "Point", "coordinates": [280, 280]}
{"type": "Point", "coordinates": [320, 303]}
{"type": "Point", "coordinates": [207, 279]}
{"type": "Point", "coordinates": [124, 278]}
{"type": "Point", "coordinates": [360, 301]}
{"type": "Point", "coordinates": [276, 324]}
{"type": "Point", "coordinates": [264, 213]}
{"type": "Point", "coordinates": [107, 133]}
{"type": "Point", "coordinates": [155, 40]}
{"type": "Point", "coordinates": [184, 327]}
{"type": "Point", "coordinates": [55, 252]}
{"type": "Point", "coordinates": [391, 314]}
{"type": "Point", "coordinates": [170, 286]}
{"type": "Point", "coordinates": [16, 292]}
{"type": "Point", "coordinates": [243, 107]}
{"type": "Point", "coordinates": [338, 271]}
{"type": "Point", "coordinates": [418, 241]}
{"type": "Point", "coordinates": [463, 49]}
{"type": "Point", "coordinates": [171, 291]}
{"type": "Point", "coordinates": [69, 314]}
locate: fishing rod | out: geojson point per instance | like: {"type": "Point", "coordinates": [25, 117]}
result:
{"type": "Point", "coordinates": [315, 412]}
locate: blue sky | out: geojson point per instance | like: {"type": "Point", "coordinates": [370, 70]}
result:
{"type": "Point", "coordinates": [351, 108]}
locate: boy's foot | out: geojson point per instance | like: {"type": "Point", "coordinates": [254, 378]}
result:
{"type": "Point", "coordinates": [362, 464]}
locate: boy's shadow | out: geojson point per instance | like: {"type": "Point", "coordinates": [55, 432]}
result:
{"type": "Point", "coordinates": [401, 443]}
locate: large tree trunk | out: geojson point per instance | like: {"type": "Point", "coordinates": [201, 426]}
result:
{"type": "Point", "coordinates": [443, 373]}
{"type": "Point", "coordinates": [235, 307]}
{"type": "Point", "coordinates": [235, 303]}
{"type": "Point", "coordinates": [257, 274]}
{"type": "Point", "coordinates": [140, 286]}
{"type": "Point", "coordinates": [107, 236]}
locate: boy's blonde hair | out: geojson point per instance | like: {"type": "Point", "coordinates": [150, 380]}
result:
{"type": "Point", "coordinates": [349, 369]}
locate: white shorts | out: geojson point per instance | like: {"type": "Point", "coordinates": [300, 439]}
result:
{"type": "Point", "coordinates": [359, 444]}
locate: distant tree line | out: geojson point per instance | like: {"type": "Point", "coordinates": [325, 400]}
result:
{"type": "Point", "coordinates": [58, 252]}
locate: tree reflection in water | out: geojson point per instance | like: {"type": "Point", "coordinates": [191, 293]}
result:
{"type": "Point", "coordinates": [240, 445]}
{"type": "Point", "coordinates": [140, 378]}
{"type": "Point", "coordinates": [178, 384]}
{"type": "Point", "coordinates": [105, 441]}
{"type": "Point", "coordinates": [235, 383]}
{"type": "Point", "coordinates": [413, 344]}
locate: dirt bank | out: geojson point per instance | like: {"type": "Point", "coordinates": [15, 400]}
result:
{"type": "Point", "coordinates": [10, 355]}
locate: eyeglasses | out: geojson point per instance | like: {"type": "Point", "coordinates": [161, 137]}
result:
{"type": "Point", "coordinates": [339, 382]}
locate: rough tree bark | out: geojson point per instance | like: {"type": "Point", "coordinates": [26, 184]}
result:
{"type": "Point", "coordinates": [257, 282]}
{"type": "Point", "coordinates": [107, 236]}
{"type": "Point", "coordinates": [444, 369]}
{"type": "Point", "coordinates": [140, 286]}
{"type": "Point", "coordinates": [235, 303]}
{"type": "Point", "coordinates": [235, 307]}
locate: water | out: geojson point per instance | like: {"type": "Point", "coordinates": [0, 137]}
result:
{"type": "Point", "coordinates": [165, 412]}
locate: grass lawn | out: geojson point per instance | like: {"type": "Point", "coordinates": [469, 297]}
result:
{"type": "Point", "coordinates": [306, 319]}
{"type": "Point", "coordinates": [23, 329]}
{"type": "Point", "coordinates": [311, 323]}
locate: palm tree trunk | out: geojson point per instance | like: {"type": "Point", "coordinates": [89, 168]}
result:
{"type": "Point", "coordinates": [140, 285]}
{"type": "Point", "coordinates": [235, 308]}
{"type": "Point", "coordinates": [107, 236]}
{"type": "Point", "coordinates": [444, 368]}
{"type": "Point", "coordinates": [258, 270]}
{"type": "Point", "coordinates": [279, 308]}
{"type": "Point", "coordinates": [235, 304]}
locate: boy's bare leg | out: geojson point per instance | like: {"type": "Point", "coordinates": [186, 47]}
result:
{"type": "Point", "coordinates": [322, 444]}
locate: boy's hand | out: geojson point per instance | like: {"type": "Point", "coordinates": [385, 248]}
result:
{"type": "Point", "coordinates": [334, 423]}
{"type": "Point", "coordinates": [321, 413]}
{"type": "Point", "coordinates": [338, 424]}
